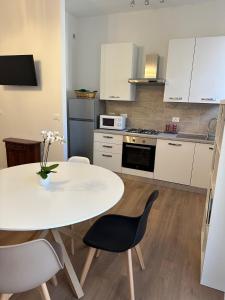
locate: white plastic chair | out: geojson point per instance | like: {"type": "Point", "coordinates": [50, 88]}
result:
{"type": "Point", "coordinates": [27, 266]}
{"type": "Point", "coordinates": [79, 159]}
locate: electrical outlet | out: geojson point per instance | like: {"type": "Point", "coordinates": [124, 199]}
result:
{"type": "Point", "coordinates": [124, 115]}
{"type": "Point", "coordinates": [176, 119]}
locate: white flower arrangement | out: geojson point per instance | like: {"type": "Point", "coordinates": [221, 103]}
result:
{"type": "Point", "coordinates": [49, 137]}
{"type": "Point", "coordinates": [52, 136]}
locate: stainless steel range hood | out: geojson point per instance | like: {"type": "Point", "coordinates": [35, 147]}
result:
{"type": "Point", "coordinates": [151, 72]}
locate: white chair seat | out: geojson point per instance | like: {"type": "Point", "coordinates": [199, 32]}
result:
{"type": "Point", "coordinates": [27, 266]}
{"type": "Point", "coordinates": [79, 159]}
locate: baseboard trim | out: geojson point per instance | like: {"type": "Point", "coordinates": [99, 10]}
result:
{"type": "Point", "coordinates": [163, 183]}
{"type": "Point", "coordinates": [135, 172]}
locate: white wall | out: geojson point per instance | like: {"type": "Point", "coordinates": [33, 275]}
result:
{"type": "Point", "coordinates": [34, 27]}
{"type": "Point", "coordinates": [149, 29]}
{"type": "Point", "coordinates": [92, 33]}
{"type": "Point", "coordinates": [71, 50]}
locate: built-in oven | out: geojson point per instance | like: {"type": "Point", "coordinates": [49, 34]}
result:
{"type": "Point", "coordinates": [139, 153]}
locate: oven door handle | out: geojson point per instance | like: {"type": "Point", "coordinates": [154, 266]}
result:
{"type": "Point", "coordinates": [139, 147]}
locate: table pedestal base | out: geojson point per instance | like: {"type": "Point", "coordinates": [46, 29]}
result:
{"type": "Point", "coordinates": [68, 265]}
{"type": "Point", "coordinates": [75, 284]}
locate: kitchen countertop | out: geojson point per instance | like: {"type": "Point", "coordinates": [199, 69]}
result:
{"type": "Point", "coordinates": [162, 136]}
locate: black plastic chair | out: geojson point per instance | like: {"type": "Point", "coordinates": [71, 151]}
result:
{"type": "Point", "coordinates": [116, 233]}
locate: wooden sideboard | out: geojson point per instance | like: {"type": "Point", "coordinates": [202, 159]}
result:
{"type": "Point", "coordinates": [20, 151]}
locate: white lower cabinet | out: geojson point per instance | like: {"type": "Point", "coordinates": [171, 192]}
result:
{"type": "Point", "coordinates": [108, 151]}
{"type": "Point", "coordinates": [202, 165]}
{"type": "Point", "coordinates": [108, 138]}
{"type": "Point", "coordinates": [108, 148]}
{"type": "Point", "coordinates": [174, 161]}
{"type": "Point", "coordinates": [180, 162]}
{"type": "Point", "coordinates": [111, 161]}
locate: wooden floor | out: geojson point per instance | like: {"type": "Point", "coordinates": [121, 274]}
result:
{"type": "Point", "coordinates": [171, 250]}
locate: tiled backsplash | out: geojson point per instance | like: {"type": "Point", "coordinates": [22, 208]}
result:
{"type": "Point", "coordinates": [149, 111]}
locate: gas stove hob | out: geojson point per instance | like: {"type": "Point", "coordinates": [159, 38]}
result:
{"type": "Point", "coordinates": [143, 131]}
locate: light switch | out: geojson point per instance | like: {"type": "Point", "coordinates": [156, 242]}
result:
{"type": "Point", "coordinates": [56, 117]}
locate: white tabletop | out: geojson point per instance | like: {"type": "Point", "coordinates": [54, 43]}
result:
{"type": "Point", "coordinates": [77, 192]}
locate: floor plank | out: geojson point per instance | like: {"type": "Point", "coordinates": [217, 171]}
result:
{"type": "Point", "coordinates": [171, 250]}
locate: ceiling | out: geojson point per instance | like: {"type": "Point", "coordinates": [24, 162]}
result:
{"type": "Point", "coordinates": [85, 8]}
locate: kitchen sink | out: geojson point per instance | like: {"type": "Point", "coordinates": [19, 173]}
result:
{"type": "Point", "coordinates": [192, 136]}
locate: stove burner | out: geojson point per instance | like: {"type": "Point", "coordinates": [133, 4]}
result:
{"type": "Point", "coordinates": [143, 131]}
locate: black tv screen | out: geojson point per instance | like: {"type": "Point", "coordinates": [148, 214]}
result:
{"type": "Point", "coordinates": [17, 70]}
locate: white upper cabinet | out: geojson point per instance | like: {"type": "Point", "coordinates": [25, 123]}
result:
{"type": "Point", "coordinates": [208, 76]}
{"type": "Point", "coordinates": [179, 68]}
{"type": "Point", "coordinates": [118, 64]}
{"type": "Point", "coordinates": [196, 70]}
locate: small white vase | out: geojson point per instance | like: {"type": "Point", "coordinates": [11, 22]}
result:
{"type": "Point", "coordinates": [45, 182]}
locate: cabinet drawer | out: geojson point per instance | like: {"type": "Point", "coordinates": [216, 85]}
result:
{"type": "Point", "coordinates": [108, 138]}
{"type": "Point", "coordinates": [108, 148]}
{"type": "Point", "coordinates": [111, 161]}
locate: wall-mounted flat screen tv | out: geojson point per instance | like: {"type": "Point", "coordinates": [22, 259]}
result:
{"type": "Point", "coordinates": [17, 70]}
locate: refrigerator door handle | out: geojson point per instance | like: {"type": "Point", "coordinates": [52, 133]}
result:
{"type": "Point", "coordinates": [79, 119]}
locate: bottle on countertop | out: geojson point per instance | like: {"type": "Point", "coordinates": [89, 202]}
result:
{"type": "Point", "coordinates": [171, 128]}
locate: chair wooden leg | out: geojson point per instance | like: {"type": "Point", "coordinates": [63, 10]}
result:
{"type": "Point", "coordinates": [140, 257]}
{"type": "Point", "coordinates": [54, 281]}
{"type": "Point", "coordinates": [90, 222]}
{"type": "Point", "coordinates": [5, 296]}
{"type": "Point", "coordinates": [44, 292]}
{"type": "Point", "coordinates": [87, 265]}
{"type": "Point", "coordinates": [72, 242]}
{"type": "Point", "coordinates": [98, 253]}
{"type": "Point", "coordinates": [131, 276]}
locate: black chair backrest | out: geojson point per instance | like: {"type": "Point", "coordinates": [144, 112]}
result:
{"type": "Point", "coordinates": [144, 218]}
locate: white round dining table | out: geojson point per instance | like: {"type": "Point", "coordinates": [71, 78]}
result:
{"type": "Point", "coordinates": [77, 192]}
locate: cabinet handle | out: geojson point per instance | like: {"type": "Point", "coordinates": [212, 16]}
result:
{"type": "Point", "coordinates": [209, 209]}
{"type": "Point", "coordinates": [108, 137]}
{"type": "Point", "coordinates": [211, 148]}
{"type": "Point", "coordinates": [104, 146]}
{"type": "Point", "coordinates": [105, 155]}
{"type": "Point", "coordinates": [114, 97]}
{"type": "Point", "coordinates": [208, 99]}
{"type": "Point", "coordinates": [173, 144]}
{"type": "Point", "coordinates": [175, 98]}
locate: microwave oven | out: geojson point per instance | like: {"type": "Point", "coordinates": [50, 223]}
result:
{"type": "Point", "coordinates": [112, 122]}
